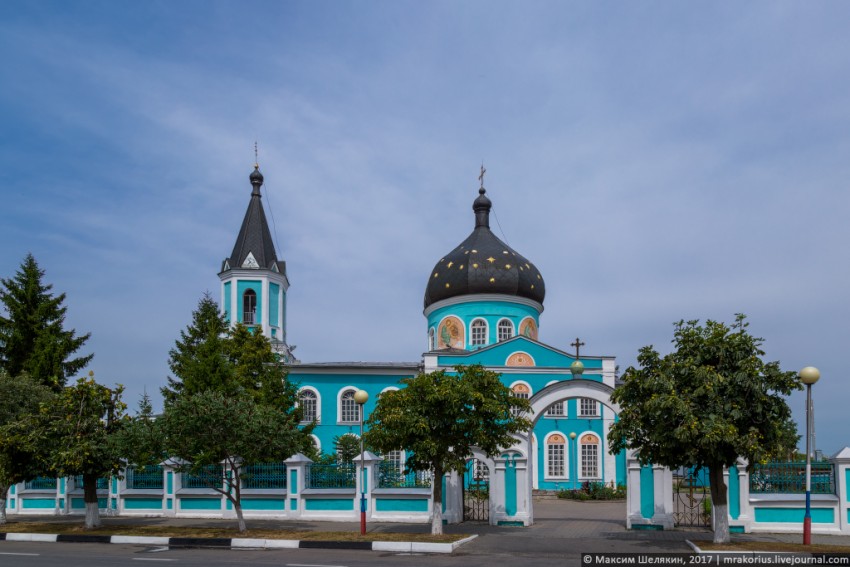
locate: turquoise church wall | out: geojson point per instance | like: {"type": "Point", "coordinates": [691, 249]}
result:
{"type": "Point", "coordinates": [274, 299]}
{"type": "Point", "coordinates": [243, 286]}
{"type": "Point", "coordinates": [543, 356]}
{"type": "Point", "coordinates": [227, 306]}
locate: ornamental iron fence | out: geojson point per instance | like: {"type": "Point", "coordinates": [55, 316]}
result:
{"type": "Point", "coordinates": [331, 476]}
{"type": "Point", "coordinates": [102, 483]}
{"type": "Point", "coordinates": [790, 478]}
{"type": "Point", "coordinates": [393, 475]}
{"type": "Point", "coordinates": [211, 476]}
{"type": "Point", "coordinates": [264, 475]}
{"type": "Point", "coordinates": [40, 483]}
{"type": "Point", "coordinates": [149, 477]}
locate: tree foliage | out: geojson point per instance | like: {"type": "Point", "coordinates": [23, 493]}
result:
{"type": "Point", "coordinates": [33, 338]}
{"type": "Point", "coordinates": [76, 432]}
{"type": "Point", "coordinates": [712, 400]}
{"type": "Point", "coordinates": [439, 417]}
{"type": "Point", "coordinates": [211, 431]}
{"type": "Point", "coordinates": [20, 401]}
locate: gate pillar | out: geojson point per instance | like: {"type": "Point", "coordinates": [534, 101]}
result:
{"type": "Point", "coordinates": [508, 494]}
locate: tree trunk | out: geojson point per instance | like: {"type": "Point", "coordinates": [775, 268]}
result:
{"type": "Point", "coordinates": [238, 507]}
{"type": "Point", "coordinates": [437, 505]}
{"type": "Point", "coordinates": [719, 504]}
{"type": "Point", "coordinates": [90, 498]}
{"type": "Point", "coordinates": [4, 489]}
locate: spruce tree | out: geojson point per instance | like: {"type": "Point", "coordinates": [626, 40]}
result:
{"type": "Point", "coordinates": [33, 339]}
{"type": "Point", "coordinates": [199, 359]}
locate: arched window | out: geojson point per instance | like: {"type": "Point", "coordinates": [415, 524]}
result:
{"type": "Point", "coordinates": [589, 456]}
{"type": "Point", "coordinates": [397, 459]}
{"type": "Point", "coordinates": [431, 339]}
{"type": "Point", "coordinates": [556, 456]}
{"type": "Point", "coordinates": [588, 408]}
{"type": "Point", "coordinates": [317, 444]}
{"type": "Point", "coordinates": [506, 329]}
{"type": "Point", "coordinates": [479, 469]}
{"type": "Point", "coordinates": [558, 409]}
{"type": "Point", "coordinates": [249, 307]}
{"type": "Point", "coordinates": [478, 332]}
{"type": "Point", "coordinates": [520, 390]}
{"type": "Point", "coordinates": [348, 410]}
{"type": "Point", "coordinates": [308, 399]}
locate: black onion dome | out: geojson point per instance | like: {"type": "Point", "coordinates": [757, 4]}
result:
{"type": "Point", "coordinates": [484, 264]}
{"type": "Point", "coordinates": [256, 179]}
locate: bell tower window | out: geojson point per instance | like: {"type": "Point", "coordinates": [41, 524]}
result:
{"type": "Point", "coordinates": [249, 307]}
{"type": "Point", "coordinates": [479, 332]}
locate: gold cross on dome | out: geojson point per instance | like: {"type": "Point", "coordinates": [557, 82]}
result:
{"type": "Point", "coordinates": [481, 177]}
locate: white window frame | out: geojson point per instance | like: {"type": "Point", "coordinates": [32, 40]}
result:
{"type": "Point", "coordinates": [499, 328]}
{"type": "Point", "coordinates": [472, 326]}
{"type": "Point", "coordinates": [582, 407]}
{"type": "Point", "coordinates": [581, 456]}
{"type": "Point", "coordinates": [339, 413]}
{"type": "Point", "coordinates": [562, 404]}
{"type": "Point", "coordinates": [515, 410]}
{"type": "Point", "coordinates": [565, 447]}
{"type": "Point", "coordinates": [318, 400]}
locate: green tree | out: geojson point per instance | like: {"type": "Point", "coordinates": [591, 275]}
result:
{"type": "Point", "coordinates": [347, 448]}
{"type": "Point", "coordinates": [212, 436]}
{"type": "Point", "coordinates": [199, 359]}
{"type": "Point", "coordinates": [32, 334]}
{"type": "Point", "coordinates": [712, 400]}
{"type": "Point", "coordinates": [20, 400]}
{"type": "Point", "coordinates": [78, 430]}
{"type": "Point", "coordinates": [439, 416]}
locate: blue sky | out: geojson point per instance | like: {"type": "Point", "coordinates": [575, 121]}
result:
{"type": "Point", "coordinates": [656, 160]}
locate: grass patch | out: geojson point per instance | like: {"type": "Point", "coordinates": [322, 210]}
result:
{"type": "Point", "coordinates": [772, 546]}
{"type": "Point", "coordinates": [187, 531]}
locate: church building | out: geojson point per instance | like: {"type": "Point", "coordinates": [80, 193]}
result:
{"type": "Point", "coordinates": [483, 305]}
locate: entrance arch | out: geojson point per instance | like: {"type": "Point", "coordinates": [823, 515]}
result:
{"type": "Point", "coordinates": [542, 400]}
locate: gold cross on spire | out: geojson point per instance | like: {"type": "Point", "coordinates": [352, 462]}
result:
{"type": "Point", "coordinates": [481, 177]}
{"type": "Point", "coordinates": [256, 159]}
{"type": "Point", "coordinates": [578, 344]}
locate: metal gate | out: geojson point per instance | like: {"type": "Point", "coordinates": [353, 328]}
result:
{"type": "Point", "coordinates": [692, 499]}
{"type": "Point", "coordinates": [476, 492]}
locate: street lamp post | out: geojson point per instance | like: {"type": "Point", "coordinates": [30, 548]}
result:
{"type": "Point", "coordinates": [361, 397]}
{"type": "Point", "coordinates": [809, 375]}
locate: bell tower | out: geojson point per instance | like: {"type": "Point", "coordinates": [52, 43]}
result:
{"type": "Point", "coordinates": [253, 281]}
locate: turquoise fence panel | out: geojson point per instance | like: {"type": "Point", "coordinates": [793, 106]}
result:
{"type": "Point", "coordinates": [143, 504]}
{"type": "Point", "coordinates": [647, 492]}
{"type": "Point", "coordinates": [38, 503]}
{"type": "Point", "coordinates": [200, 504]}
{"type": "Point", "coordinates": [142, 478]}
{"type": "Point", "coordinates": [41, 483]}
{"type": "Point", "coordinates": [331, 476]}
{"type": "Point", "coordinates": [393, 475]}
{"type": "Point", "coordinates": [329, 504]}
{"type": "Point", "coordinates": [266, 475]}
{"type": "Point", "coordinates": [263, 504]}
{"type": "Point", "coordinates": [790, 478]}
{"type": "Point", "coordinates": [401, 505]}
{"type": "Point", "coordinates": [794, 515]}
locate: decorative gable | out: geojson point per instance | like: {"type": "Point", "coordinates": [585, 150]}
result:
{"type": "Point", "coordinates": [250, 262]}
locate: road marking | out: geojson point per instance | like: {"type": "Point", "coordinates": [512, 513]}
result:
{"type": "Point", "coordinates": [28, 554]}
{"type": "Point", "coordinates": [151, 559]}
{"type": "Point", "coordinates": [311, 565]}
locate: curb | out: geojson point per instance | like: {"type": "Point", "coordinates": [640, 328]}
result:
{"type": "Point", "coordinates": [243, 543]}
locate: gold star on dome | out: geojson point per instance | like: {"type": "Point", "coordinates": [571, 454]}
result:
{"type": "Point", "coordinates": [461, 267]}
{"type": "Point", "coordinates": [436, 274]}
{"type": "Point", "coordinates": [492, 280]}
{"type": "Point", "coordinates": [520, 268]}
{"type": "Point", "coordinates": [475, 251]}
{"type": "Point", "coordinates": [505, 252]}
{"type": "Point", "coordinates": [527, 266]}
{"type": "Point", "coordinates": [449, 265]}
{"type": "Point", "coordinates": [507, 266]}
{"type": "Point", "coordinates": [532, 286]}
{"type": "Point", "coordinates": [474, 265]}
{"type": "Point", "coordinates": [538, 277]}
{"type": "Point", "coordinates": [491, 259]}
{"type": "Point", "coordinates": [467, 252]}
{"type": "Point", "coordinates": [447, 285]}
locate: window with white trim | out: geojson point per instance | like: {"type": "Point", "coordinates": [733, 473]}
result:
{"type": "Point", "coordinates": [589, 456]}
{"type": "Point", "coordinates": [556, 456]}
{"type": "Point", "coordinates": [249, 307]}
{"type": "Point", "coordinates": [520, 391]}
{"type": "Point", "coordinates": [556, 410]}
{"type": "Point", "coordinates": [505, 330]}
{"type": "Point", "coordinates": [478, 332]}
{"type": "Point", "coordinates": [588, 408]}
{"type": "Point", "coordinates": [397, 459]}
{"type": "Point", "coordinates": [349, 412]}
{"type": "Point", "coordinates": [309, 402]}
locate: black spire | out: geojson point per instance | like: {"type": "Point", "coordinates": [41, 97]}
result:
{"type": "Point", "coordinates": [254, 247]}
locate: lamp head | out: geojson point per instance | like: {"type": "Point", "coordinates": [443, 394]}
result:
{"type": "Point", "coordinates": [361, 397]}
{"type": "Point", "coordinates": [572, 435]}
{"type": "Point", "coordinates": [809, 375]}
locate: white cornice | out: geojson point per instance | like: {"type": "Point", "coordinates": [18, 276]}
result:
{"type": "Point", "coordinates": [473, 297]}
{"type": "Point", "coordinates": [244, 274]}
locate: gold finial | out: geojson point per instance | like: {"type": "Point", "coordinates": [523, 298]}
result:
{"type": "Point", "coordinates": [481, 177]}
